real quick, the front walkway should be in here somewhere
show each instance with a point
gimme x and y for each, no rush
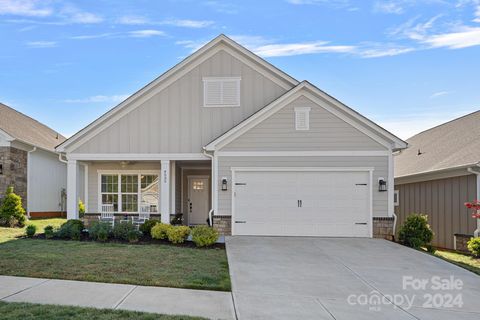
(209, 304)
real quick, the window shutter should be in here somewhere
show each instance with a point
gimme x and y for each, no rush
(302, 118)
(221, 92)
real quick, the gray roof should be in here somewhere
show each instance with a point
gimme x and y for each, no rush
(453, 144)
(26, 129)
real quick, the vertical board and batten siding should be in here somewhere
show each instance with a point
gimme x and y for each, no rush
(443, 201)
(175, 121)
(379, 163)
(93, 169)
(327, 132)
(47, 178)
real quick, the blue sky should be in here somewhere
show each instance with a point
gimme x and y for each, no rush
(406, 64)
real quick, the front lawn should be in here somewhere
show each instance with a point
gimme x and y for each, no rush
(26, 311)
(7, 234)
(462, 260)
(150, 265)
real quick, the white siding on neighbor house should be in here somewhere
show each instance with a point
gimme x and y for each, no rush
(47, 178)
(93, 168)
(326, 132)
(379, 163)
(174, 120)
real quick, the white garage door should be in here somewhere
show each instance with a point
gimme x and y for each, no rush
(302, 203)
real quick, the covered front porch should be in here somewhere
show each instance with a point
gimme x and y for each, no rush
(178, 191)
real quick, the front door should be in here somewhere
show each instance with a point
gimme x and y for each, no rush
(197, 200)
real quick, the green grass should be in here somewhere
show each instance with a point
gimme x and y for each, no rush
(461, 260)
(150, 265)
(7, 234)
(27, 311)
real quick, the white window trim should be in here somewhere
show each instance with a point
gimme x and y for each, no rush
(396, 197)
(119, 192)
(306, 112)
(212, 79)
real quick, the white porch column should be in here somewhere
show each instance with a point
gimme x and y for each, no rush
(165, 191)
(72, 201)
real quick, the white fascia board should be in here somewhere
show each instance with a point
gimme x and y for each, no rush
(354, 153)
(303, 169)
(136, 156)
(6, 136)
(169, 77)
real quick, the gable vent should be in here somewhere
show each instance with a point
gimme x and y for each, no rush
(302, 118)
(221, 92)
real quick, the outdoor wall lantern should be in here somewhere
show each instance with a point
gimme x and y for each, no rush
(382, 184)
(224, 184)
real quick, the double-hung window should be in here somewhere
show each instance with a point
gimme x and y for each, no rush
(130, 192)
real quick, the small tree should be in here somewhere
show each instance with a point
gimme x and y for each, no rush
(11, 210)
(475, 207)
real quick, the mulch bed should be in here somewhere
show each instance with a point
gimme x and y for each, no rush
(144, 240)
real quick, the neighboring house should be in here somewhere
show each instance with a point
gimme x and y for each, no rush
(224, 132)
(437, 174)
(29, 163)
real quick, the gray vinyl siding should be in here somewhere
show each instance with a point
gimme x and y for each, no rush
(93, 177)
(380, 165)
(327, 133)
(174, 121)
(443, 201)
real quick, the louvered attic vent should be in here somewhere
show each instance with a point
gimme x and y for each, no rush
(221, 92)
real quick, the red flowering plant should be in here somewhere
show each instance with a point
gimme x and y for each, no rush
(475, 207)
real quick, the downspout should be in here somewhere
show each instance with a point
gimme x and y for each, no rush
(214, 181)
(477, 231)
(29, 175)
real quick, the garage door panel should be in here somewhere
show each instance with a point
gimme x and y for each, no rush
(332, 203)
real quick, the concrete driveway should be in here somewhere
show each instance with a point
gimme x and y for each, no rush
(333, 278)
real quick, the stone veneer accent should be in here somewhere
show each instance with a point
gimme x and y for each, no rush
(14, 162)
(461, 242)
(223, 224)
(383, 228)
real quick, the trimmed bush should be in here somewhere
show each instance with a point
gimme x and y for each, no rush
(204, 236)
(159, 231)
(416, 231)
(133, 236)
(49, 232)
(100, 231)
(121, 230)
(474, 246)
(72, 229)
(30, 230)
(81, 209)
(146, 228)
(178, 234)
(12, 213)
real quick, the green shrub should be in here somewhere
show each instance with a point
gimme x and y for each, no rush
(72, 229)
(100, 231)
(159, 231)
(133, 236)
(177, 219)
(81, 209)
(474, 246)
(30, 230)
(416, 231)
(146, 228)
(178, 234)
(121, 230)
(49, 232)
(431, 249)
(12, 213)
(204, 236)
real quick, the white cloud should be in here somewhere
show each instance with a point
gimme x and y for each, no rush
(73, 14)
(382, 50)
(146, 33)
(133, 20)
(463, 38)
(99, 98)
(222, 6)
(29, 8)
(92, 36)
(439, 94)
(389, 7)
(41, 44)
(187, 23)
(293, 49)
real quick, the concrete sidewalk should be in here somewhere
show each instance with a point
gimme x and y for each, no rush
(208, 304)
